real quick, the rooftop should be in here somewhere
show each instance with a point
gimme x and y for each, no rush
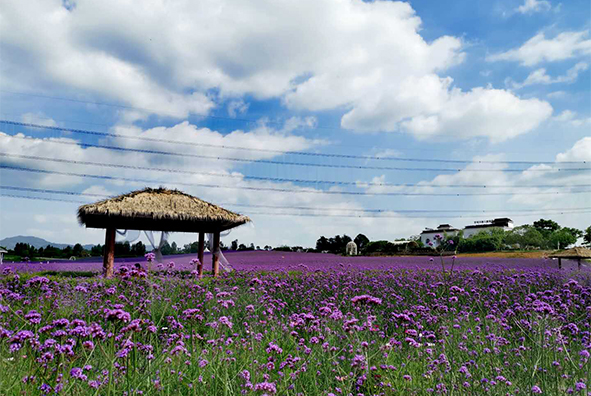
(574, 253)
(500, 222)
(159, 210)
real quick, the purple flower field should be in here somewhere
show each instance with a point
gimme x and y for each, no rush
(298, 324)
(286, 261)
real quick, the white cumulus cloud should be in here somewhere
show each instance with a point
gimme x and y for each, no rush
(429, 107)
(38, 118)
(570, 117)
(186, 57)
(532, 6)
(539, 76)
(538, 49)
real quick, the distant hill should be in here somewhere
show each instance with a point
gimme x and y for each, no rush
(37, 243)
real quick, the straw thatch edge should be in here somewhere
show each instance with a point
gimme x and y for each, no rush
(576, 252)
(213, 212)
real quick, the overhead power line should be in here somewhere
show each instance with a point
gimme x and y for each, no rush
(360, 184)
(275, 162)
(279, 152)
(287, 190)
(421, 148)
(474, 211)
(42, 198)
(159, 112)
(94, 195)
(296, 214)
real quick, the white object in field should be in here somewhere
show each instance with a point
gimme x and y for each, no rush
(157, 250)
(128, 235)
(351, 249)
(224, 263)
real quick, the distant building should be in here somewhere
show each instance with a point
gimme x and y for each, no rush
(428, 235)
(2, 251)
(503, 223)
(403, 242)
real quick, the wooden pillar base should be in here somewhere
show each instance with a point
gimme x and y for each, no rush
(109, 254)
(559, 263)
(200, 254)
(215, 257)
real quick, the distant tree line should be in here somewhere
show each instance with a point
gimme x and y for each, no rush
(338, 244)
(542, 234)
(122, 249)
(24, 250)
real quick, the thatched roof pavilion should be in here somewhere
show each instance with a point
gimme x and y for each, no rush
(576, 253)
(159, 210)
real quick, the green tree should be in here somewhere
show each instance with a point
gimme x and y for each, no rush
(51, 251)
(574, 232)
(546, 227)
(361, 241)
(587, 236)
(282, 249)
(96, 250)
(484, 241)
(380, 247)
(561, 239)
(526, 236)
(78, 250)
(322, 244)
(234, 245)
(24, 250)
(122, 249)
(138, 249)
(192, 248)
(166, 249)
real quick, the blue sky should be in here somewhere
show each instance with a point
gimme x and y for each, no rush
(473, 81)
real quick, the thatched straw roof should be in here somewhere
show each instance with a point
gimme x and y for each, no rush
(574, 253)
(159, 210)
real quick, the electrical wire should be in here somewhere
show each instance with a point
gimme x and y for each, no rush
(422, 149)
(284, 180)
(275, 162)
(159, 112)
(279, 152)
(287, 190)
(386, 215)
(77, 193)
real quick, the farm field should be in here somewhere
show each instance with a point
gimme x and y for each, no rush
(377, 326)
(287, 261)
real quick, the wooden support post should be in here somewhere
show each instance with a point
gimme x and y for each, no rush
(200, 254)
(215, 256)
(559, 263)
(109, 254)
(579, 263)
